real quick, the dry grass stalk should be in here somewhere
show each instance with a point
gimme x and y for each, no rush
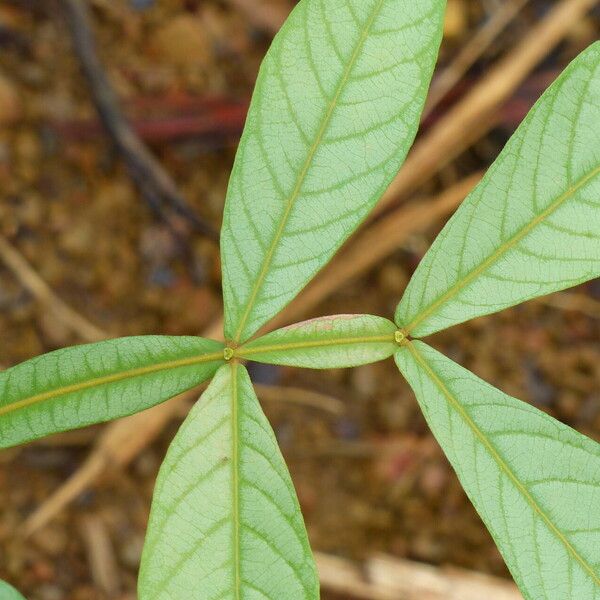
(477, 112)
(429, 154)
(471, 52)
(262, 14)
(387, 578)
(370, 246)
(41, 291)
(101, 556)
(140, 430)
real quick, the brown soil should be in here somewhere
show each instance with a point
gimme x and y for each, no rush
(372, 480)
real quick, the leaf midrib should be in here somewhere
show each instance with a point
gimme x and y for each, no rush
(503, 466)
(304, 172)
(501, 250)
(245, 351)
(108, 379)
(235, 479)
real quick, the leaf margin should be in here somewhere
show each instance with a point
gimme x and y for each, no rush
(51, 367)
(415, 320)
(412, 348)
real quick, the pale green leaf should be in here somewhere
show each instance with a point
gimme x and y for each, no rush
(225, 521)
(534, 481)
(8, 592)
(326, 343)
(532, 226)
(93, 383)
(335, 110)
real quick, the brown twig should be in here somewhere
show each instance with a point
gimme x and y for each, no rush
(374, 244)
(388, 578)
(216, 122)
(101, 556)
(263, 15)
(122, 440)
(471, 52)
(442, 143)
(299, 397)
(118, 444)
(573, 301)
(40, 290)
(152, 180)
(477, 112)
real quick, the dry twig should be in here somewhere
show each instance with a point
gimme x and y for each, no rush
(471, 52)
(152, 180)
(476, 113)
(40, 290)
(387, 578)
(101, 556)
(123, 440)
(431, 152)
(375, 243)
(261, 14)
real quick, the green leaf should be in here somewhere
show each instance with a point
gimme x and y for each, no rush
(93, 383)
(225, 521)
(532, 226)
(534, 481)
(8, 592)
(326, 343)
(335, 110)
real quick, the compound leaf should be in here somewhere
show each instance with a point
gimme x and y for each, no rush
(225, 521)
(326, 343)
(7, 592)
(534, 481)
(335, 110)
(93, 383)
(532, 226)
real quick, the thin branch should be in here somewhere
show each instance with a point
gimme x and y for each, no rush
(372, 245)
(101, 555)
(471, 52)
(572, 301)
(40, 290)
(299, 397)
(154, 183)
(124, 439)
(261, 14)
(442, 143)
(478, 112)
(387, 578)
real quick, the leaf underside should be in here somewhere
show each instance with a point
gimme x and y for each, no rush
(534, 481)
(326, 343)
(335, 110)
(7, 592)
(225, 521)
(532, 226)
(93, 383)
